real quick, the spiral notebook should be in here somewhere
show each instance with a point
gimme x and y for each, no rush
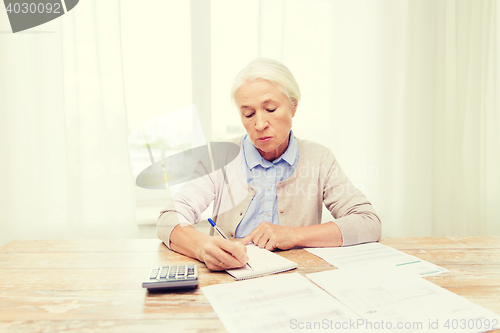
(263, 262)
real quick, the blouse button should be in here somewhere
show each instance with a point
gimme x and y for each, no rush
(281, 211)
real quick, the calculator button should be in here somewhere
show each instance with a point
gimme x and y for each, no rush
(153, 274)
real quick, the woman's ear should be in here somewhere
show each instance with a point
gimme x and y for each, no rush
(294, 107)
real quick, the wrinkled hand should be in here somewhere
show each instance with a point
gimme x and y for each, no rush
(220, 254)
(271, 236)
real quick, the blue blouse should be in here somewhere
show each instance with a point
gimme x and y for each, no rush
(263, 176)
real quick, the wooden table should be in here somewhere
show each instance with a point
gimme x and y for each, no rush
(95, 285)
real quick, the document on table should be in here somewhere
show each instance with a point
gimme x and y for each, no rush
(277, 303)
(377, 254)
(397, 300)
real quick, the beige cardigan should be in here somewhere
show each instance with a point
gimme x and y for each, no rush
(317, 179)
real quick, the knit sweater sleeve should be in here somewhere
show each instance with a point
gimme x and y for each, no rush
(353, 213)
(188, 203)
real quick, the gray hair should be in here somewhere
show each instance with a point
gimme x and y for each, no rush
(272, 71)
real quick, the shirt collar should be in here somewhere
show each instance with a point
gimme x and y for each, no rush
(253, 157)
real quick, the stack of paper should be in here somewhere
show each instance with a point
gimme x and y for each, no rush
(375, 255)
(376, 289)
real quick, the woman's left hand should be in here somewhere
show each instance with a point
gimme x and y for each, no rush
(271, 236)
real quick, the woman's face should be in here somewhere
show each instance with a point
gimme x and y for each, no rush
(266, 113)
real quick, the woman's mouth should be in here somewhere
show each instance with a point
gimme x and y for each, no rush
(265, 138)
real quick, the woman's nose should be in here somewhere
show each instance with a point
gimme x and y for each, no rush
(260, 121)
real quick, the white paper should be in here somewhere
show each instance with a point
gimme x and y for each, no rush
(376, 255)
(403, 302)
(263, 262)
(278, 303)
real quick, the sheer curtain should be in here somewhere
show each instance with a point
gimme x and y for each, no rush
(439, 117)
(64, 165)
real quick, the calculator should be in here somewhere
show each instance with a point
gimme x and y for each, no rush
(172, 277)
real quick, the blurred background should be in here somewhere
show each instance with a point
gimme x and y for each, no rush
(405, 92)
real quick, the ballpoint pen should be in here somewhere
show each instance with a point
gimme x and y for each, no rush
(212, 223)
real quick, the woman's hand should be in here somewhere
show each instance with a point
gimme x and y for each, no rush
(220, 254)
(271, 236)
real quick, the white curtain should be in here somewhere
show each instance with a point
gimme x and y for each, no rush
(64, 166)
(438, 117)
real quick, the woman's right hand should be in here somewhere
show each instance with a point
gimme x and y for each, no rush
(220, 254)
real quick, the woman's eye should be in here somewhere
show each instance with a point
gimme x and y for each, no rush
(249, 115)
(271, 110)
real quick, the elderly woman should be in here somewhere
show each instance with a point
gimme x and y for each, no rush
(272, 193)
